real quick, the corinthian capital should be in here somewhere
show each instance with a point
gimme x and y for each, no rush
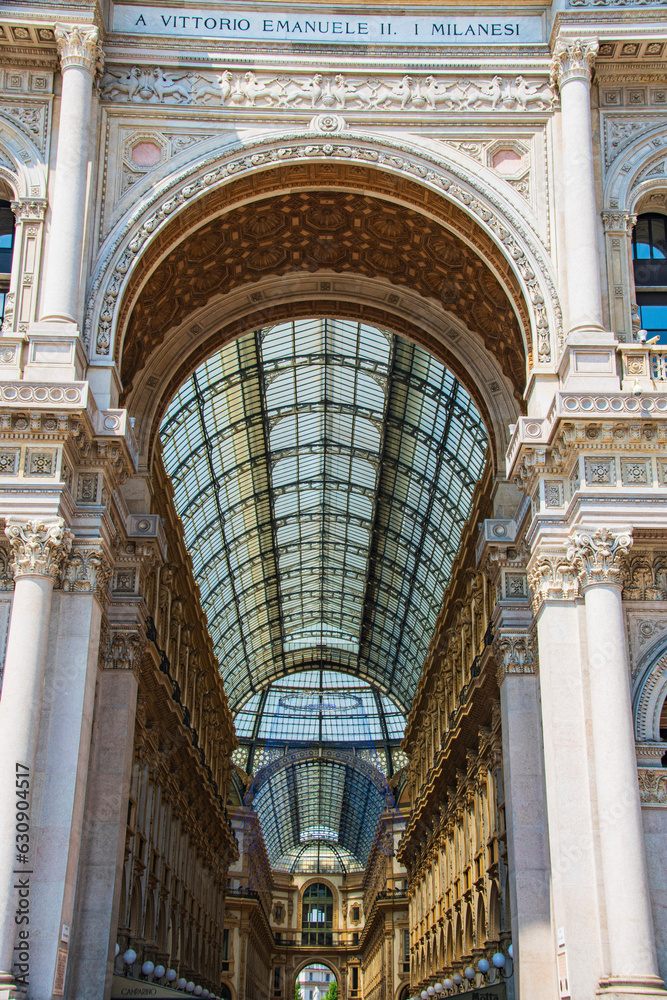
(573, 58)
(599, 556)
(78, 46)
(40, 548)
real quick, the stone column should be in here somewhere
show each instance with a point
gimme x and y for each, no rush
(80, 56)
(633, 968)
(102, 851)
(515, 649)
(559, 613)
(571, 70)
(40, 549)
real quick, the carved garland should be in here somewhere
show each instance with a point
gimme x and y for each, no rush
(125, 249)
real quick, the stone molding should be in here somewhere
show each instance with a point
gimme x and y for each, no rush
(599, 556)
(140, 85)
(88, 569)
(40, 548)
(78, 46)
(573, 59)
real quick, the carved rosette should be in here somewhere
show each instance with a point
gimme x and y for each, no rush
(515, 653)
(552, 576)
(573, 59)
(40, 548)
(88, 570)
(78, 46)
(600, 556)
(121, 647)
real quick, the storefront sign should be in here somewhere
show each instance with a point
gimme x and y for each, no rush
(124, 988)
(321, 25)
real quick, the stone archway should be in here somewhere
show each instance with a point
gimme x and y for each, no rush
(413, 181)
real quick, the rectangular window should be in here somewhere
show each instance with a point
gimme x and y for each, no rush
(276, 980)
(355, 978)
(653, 314)
(225, 945)
(355, 912)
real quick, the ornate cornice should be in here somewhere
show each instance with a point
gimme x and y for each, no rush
(573, 59)
(78, 46)
(40, 548)
(599, 556)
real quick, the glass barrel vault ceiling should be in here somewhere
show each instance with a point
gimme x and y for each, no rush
(323, 470)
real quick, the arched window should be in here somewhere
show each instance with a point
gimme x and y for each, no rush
(7, 226)
(317, 915)
(649, 253)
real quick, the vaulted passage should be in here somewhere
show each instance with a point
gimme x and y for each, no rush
(323, 470)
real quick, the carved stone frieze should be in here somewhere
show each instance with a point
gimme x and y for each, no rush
(87, 570)
(78, 46)
(599, 556)
(620, 131)
(336, 92)
(40, 548)
(645, 576)
(30, 117)
(573, 58)
(652, 785)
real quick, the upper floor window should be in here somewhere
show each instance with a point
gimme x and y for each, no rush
(649, 254)
(7, 224)
(317, 915)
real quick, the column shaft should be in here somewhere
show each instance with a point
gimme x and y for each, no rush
(65, 248)
(573, 62)
(20, 709)
(627, 897)
(527, 837)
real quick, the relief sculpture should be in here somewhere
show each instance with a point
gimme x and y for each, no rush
(252, 90)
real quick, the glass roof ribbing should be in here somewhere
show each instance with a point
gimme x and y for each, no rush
(320, 706)
(304, 802)
(323, 470)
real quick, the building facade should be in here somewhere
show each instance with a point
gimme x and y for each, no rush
(334, 345)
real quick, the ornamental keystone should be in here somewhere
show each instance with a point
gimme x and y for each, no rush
(599, 556)
(40, 548)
